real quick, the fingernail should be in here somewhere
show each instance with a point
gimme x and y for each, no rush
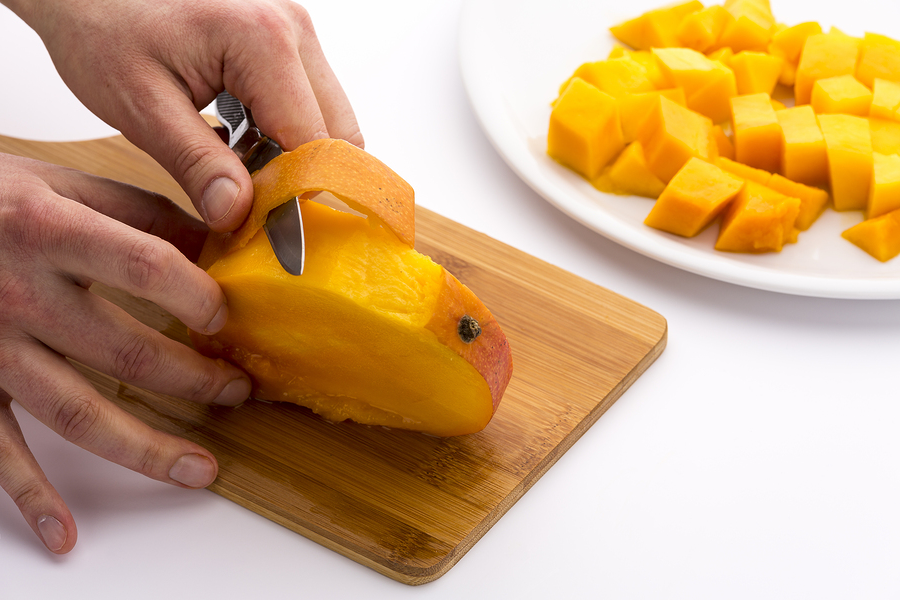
(237, 391)
(218, 198)
(193, 471)
(52, 532)
(218, 321)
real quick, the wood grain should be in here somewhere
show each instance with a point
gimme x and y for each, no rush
(407, 505)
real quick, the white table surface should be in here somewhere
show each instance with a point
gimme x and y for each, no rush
(758, 457)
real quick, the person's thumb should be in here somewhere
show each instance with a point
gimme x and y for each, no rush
(172, 132)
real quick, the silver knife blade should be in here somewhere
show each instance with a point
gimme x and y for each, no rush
(284, 224)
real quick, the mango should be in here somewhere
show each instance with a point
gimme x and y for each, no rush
(635, 109)
(672, 135)
(804, 157)
(824, 55)
(655, 28)
(813, 200)
(615, 76)
(759, 219)
(707, 84)
(742, 171)
(884, 188)
(585, 132)
(701, 30)
(724, 145)
(848, 145)
(842, 94)
(756, 72)
(753, 20)
(695, 196)
(758, 138)
(885, 100)
(885, 135)
(629, 174)
(879, 59)
(372, 331)
(788, 42)
(880, 236)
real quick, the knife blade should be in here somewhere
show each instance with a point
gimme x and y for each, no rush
(284, 224)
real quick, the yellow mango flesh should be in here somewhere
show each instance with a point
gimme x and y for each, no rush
(743, 171)
(655, 28)
(694, 197)
(756, 72)
(885, 135)
(824, 55)
(757, 134)
(629, 174)
(708, 85)
(616, 76)
(885, 100)
(879, 236)
(365, 333)
(758, 220)
(673, 135)
(635, 109)
(848, 144)
(585, 132)
(843, 94)
(702, 29)
(884, 188)
(879, 59)
(812, 199)
(804, 157)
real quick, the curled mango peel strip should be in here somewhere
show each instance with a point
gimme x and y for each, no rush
(350, 173)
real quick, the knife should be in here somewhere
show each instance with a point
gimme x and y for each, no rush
(284, 225)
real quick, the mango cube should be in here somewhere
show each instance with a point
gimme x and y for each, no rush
(616, 76)
(743, 171)
(758, 220)
(824, 55)
(694, 197)
(672, 135)
(629, 174)
(788, 43)
(885, 100)
(753, 20)
(584, 132)
(884, 188)
(655, 28)
(708, 85)
(702, 29)
(848, 144)
(756, 72)
(635, 109)
(885, 135)
(879, 59)
(812, 199)
(842, 94)
(880, 236)
(757, 133)
(723, 142)
(804, 157)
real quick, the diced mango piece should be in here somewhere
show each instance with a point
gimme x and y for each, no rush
(672, 135)
(629, 174)
(694, 197)
(879, 59)
(812, 199)
(723, 55)
(788, 43)
(756, 72)
(615, 76)
(723, 142)
(758, 220)
(655, 28)
(884, 188)
(879, 236)
(804, 158)
(885, 100)
(707, 84)
(849, 147)
(743, 171)
(584, 132)
(842, 94)
(757, 133)
(702, 29)
(751, 27)
(777, 104)
(824, 55)
(635, 109)
(885, 135)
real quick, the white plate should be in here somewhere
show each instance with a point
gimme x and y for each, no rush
(514, 54)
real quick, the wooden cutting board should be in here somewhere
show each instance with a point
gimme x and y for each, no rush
(407, 505)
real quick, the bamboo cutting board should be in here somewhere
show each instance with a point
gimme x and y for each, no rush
(406, 505)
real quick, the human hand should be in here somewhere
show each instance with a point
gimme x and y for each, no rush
(61, 230)
(147, 66)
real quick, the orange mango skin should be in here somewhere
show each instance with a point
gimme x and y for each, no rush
(368, 333)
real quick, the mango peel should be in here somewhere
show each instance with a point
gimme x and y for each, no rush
(373, 331)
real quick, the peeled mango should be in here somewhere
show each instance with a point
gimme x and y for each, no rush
(372, 331)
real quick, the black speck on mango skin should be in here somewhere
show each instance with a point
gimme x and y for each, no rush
(468, 329)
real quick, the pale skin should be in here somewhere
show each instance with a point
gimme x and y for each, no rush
(145, 67)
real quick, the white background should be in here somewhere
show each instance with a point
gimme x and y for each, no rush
(758, 457)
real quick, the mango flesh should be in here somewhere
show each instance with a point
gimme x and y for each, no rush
(757, 134)
(758, 220)
(369, 332)
(879, 236)
(843, 94)
(848, 144)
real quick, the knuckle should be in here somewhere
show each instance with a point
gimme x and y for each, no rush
(78, 418)
(151, 456)
(137, 359)
(205, 386)
(30, 497)
(189, 161)
(148, 265)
